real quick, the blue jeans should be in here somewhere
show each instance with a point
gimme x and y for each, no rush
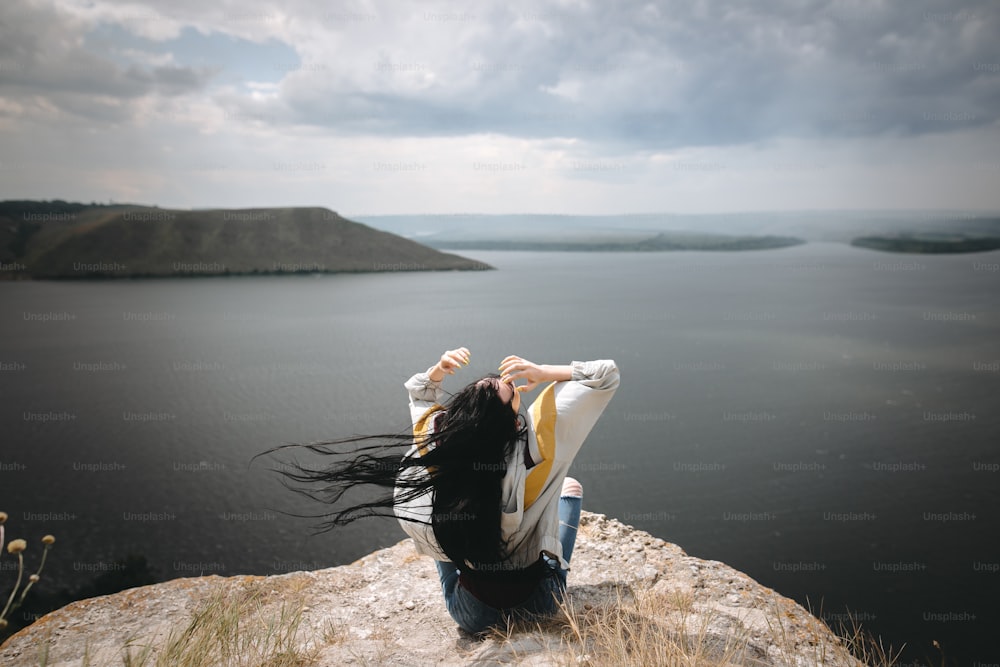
(475, 616)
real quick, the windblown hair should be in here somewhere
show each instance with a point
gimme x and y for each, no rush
(462, 461)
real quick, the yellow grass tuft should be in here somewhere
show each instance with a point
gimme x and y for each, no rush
(664, 628)
(232, 629)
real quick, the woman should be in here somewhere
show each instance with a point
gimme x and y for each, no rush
(483, 489)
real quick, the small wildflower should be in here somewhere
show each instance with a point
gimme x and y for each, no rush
(48, 539)
(16, 546)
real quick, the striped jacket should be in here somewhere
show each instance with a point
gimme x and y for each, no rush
(559, 421)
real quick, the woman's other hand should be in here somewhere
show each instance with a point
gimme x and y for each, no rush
(515, 368)
(450, 361)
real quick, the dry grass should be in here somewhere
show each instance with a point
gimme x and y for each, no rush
(648, 629)
(865, 647)
(232, 629)
(336, 631)
(251, 626)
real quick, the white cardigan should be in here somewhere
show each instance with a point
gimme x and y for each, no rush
(559, 420)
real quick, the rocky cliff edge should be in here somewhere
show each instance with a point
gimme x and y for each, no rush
(387, 609)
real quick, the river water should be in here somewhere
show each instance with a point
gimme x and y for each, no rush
(823, 418)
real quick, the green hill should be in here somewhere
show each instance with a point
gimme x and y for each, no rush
(66, 240)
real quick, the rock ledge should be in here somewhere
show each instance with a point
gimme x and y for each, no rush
(387, 609)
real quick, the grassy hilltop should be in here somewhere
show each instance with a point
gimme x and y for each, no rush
(68, 240)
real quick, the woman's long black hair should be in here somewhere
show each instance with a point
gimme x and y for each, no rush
(462, 461)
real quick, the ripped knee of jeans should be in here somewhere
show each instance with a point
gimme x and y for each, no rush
(572, 488)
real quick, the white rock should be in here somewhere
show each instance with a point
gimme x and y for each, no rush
(358, 601)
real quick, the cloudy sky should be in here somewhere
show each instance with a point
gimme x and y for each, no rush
(548, 106)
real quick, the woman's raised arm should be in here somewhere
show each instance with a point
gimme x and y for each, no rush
(424, 389)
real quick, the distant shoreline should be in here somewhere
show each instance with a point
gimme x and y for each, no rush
(926, 246)
(658, 243)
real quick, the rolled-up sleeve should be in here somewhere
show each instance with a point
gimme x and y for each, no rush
(424, 394)
(601, 374)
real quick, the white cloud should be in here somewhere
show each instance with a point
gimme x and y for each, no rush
(564, 106)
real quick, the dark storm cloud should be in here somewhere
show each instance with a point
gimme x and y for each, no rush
(631, 74)
(681, 73)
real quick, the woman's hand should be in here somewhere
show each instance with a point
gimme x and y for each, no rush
(450, 361)
(515, 368)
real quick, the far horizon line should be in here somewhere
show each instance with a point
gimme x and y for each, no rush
(706, 213)
(848, 211)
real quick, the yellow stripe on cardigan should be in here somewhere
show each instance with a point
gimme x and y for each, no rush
(544, 413)
(420, 428)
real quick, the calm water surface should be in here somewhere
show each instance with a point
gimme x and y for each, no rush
(821, 417)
